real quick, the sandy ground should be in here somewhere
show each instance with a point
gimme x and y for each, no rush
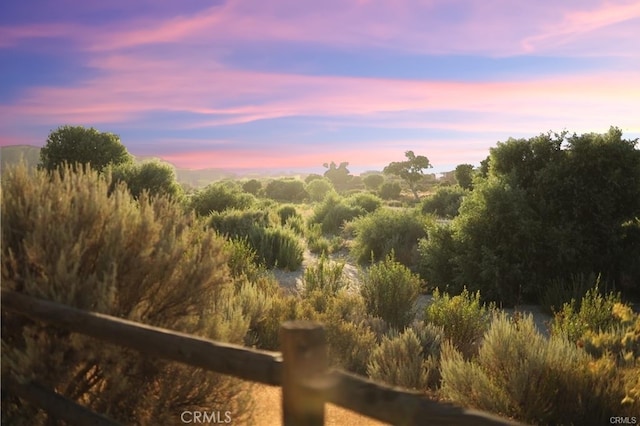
(268, 400)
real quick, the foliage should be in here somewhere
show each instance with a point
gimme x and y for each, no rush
(390, 191)
(311, 177)
(390, 290)
(325, 276)
(274, 245)
(445, 202)
(464, 176)
(373, 181)
(337, 174)
(252, 186)
(333, 212)
(287, 211)
(436, 264)
(593, 312)
(67, 240)
(319, 188)
(79, 145)
(549, 207)
(561, 291)
(411, 170)
(399, 360)
(154, 177)
(518, 373)
(290, 190)
(367, 202)
(386, 230)
(463, 318)
(218, 197)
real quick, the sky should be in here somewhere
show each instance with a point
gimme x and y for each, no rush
(293, 84)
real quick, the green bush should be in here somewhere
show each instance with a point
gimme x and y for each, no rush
(390, 191)
(325, 276)
(290, 190)
(373, 181)
(252, 186)
(593, 312)
(286, 212)
(67, 240)
(561, 291)
(333, 212)
(154, 177)
(218, 197)
(319, 188)
(518, 373)
(274, 245)
(390, 290)
(437, 253)
(463, 318)
(387, 230)
(317, 242)
(445, 202)
(400, 361)
(365, 201)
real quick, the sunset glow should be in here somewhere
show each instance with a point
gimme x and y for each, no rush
(291, 85)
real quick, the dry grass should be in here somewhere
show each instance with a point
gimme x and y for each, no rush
(268, 410)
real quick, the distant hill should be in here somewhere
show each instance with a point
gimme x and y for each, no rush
(13, 154)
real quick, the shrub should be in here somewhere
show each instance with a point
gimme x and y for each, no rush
(390, 191)
(316, 242)
(463, 318)
(333, 212)
(437, 253)
(400, 361)
(291, 190)
(252, 186)
(390, 290)
(319, 188)
(154, 177)
(367, 202)
(373, 181)
(445, 202)
(560, 291)
(594, 312)
(519, 373)
(287, 211)
(67, 240)
(325, 276)
(387, 230)
(273, 244)
(218, 197)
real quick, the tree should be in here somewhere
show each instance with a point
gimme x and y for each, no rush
(464, 175)
(252, 186)
(79, 145)
(291, 190)
(153, 177)
(373, 181)
(550, 207)
(338, 175)
(319, 188)
(411, 170)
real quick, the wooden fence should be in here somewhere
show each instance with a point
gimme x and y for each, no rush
(301, 370)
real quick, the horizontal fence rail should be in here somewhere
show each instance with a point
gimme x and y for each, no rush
(233, 360)
(303, 375)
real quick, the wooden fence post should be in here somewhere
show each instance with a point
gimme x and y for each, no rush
(304, 355)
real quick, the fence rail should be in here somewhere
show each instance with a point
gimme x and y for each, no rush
(301, 370)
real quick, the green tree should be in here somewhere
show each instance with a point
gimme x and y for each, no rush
(291, 190)
(411, 170)
(551, 207)
(319, 188)
(77, 144)
(464, 175)
(152, 176)
(338, 175)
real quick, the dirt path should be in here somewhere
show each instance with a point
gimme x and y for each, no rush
(268, 400)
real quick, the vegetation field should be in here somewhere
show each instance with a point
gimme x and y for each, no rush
(552, 221)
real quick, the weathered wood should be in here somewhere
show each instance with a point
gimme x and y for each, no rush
(398, 406)
(249, 364)
(304, 353)
(54, 404)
